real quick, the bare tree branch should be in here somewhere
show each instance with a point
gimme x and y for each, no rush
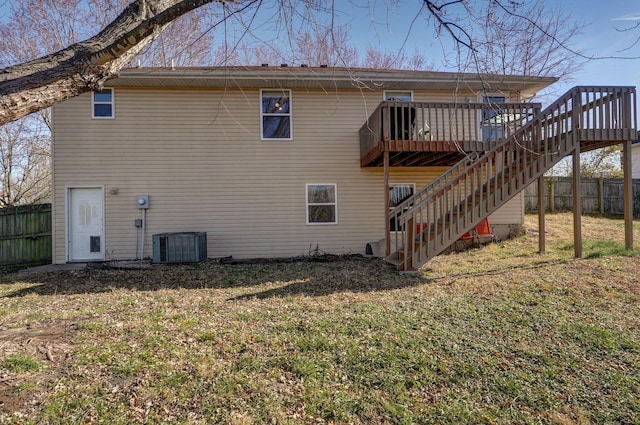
(449, 25)
(561, 43)
(631, 28)
(85, 66)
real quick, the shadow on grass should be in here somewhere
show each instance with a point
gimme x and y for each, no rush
(386, 282)
(282, 278)
(309, 276)
(500, 270)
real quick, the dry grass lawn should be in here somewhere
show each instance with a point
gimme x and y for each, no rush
(497, 335)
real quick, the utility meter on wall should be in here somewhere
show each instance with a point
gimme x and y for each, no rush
(142, 202)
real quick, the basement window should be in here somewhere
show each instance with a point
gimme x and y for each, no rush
(275, 114)
(102, 104)
(322, 203)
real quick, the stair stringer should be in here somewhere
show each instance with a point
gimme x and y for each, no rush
(466, 213)
(457, 201)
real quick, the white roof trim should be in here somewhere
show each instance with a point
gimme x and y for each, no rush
(324, 78)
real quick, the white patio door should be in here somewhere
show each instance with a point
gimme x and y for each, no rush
(86, 224)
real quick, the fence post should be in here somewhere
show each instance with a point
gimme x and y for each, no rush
(552, 195)
(541, 209)
(607, 201)
(601, 195)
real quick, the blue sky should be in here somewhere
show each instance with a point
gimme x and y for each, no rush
(601, 39)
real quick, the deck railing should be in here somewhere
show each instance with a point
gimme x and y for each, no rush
(438, 215)
(465, 126)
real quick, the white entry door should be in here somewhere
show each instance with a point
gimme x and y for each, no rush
(86, 224)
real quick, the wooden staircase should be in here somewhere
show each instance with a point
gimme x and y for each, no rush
(434, 218)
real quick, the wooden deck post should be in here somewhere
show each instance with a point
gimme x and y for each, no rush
(576, 115)
(387, 205)
(630, 118)
(627, 195)
(577, 203)
(541, 211)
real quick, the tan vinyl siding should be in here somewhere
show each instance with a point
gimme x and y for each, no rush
(510, 213)
(199, 156)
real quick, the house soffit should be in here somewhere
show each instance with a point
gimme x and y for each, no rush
(325, 79)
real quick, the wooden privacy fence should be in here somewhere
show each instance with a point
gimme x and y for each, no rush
(599, 195)
(25, 236)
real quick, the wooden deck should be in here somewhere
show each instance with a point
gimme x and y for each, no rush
(406, 130)
(418, 134)
(434, 217)
(404, 153)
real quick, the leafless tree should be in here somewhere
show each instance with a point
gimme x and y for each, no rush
(329, 46)
(604, 162)
(508, 37)
(527, 39)
(388, 59)
(24, 162)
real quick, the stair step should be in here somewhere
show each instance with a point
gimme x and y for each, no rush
(394, 260)
(503, 180)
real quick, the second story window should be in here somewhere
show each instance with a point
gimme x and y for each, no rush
(102, 104)
(401, 118)
(276, 114)
(398, 96)
(494, 121)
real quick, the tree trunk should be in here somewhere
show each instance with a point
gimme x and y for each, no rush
(85, 66)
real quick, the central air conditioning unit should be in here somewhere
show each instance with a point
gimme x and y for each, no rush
(186, 247)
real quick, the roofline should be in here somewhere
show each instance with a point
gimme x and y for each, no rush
(325, 78)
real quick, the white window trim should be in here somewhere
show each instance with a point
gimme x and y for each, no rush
(384, 93)
(493, 94)
(481, 97)
(307, 204)
(112, 103)
(289, 114)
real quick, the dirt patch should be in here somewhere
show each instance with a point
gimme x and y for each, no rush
(48, 343)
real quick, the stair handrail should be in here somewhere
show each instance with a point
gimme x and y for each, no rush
(570, 109)
(441, 181)
(460, 167)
